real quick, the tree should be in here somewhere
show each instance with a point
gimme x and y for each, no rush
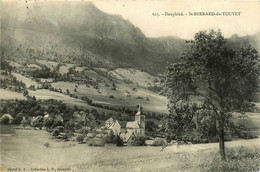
(139, 141)
(55, 132)
(113, 86)
(222, 80)
(179, 120)
(48, 122)
(68, 91)
(5, 121)
(110, 137)
(18, 119)
(118, 141)
(80, 138)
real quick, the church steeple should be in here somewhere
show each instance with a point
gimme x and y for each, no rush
(139, 117)
(139, 112)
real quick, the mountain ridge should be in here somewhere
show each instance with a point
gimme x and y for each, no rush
(83, 33)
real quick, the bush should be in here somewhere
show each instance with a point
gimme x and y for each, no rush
(69, 134)
(55, 132)
(60, 129)
(90, 143)
(5, 121)
(80, 138)
(118, 141)
(65, 137)
(48, 122)
(139, 141)
(238, 160)
(81, 131)
(17, 120)
(111, 96)
(47, 145)
(159, 142)
(110, 137)
(57, 123)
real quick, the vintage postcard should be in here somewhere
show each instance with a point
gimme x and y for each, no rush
(130, 85)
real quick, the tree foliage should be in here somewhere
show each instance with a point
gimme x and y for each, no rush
(216, 78)
(80, 138)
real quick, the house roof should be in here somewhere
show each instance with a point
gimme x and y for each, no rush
(112, 125)
(110, 120)
(7, 115)
(126, 136)
(132, 124)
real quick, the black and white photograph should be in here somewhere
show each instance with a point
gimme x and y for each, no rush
(130, 86)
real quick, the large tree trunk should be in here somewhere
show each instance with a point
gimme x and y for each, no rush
(221, 140)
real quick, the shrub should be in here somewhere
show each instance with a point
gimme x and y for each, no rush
(57, 123)
(80, 138)
(118, 141)
(65, 137)
(17, 120)
(60, 129)
(110, 137)
(55, 132)
(90, 143)
(159, 142)
(81, 131)
(69, 134)
(139, 141)
(48, 122)
(111, 96)
(5, 121)
(47, 145)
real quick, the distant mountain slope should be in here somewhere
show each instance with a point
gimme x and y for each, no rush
(236, 42)
(84, 28)
(78, 32)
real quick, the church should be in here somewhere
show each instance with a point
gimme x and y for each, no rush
(137, 127)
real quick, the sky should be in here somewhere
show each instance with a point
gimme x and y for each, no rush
(140, 14)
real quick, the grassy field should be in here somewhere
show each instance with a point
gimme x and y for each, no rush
(27, 81)
(43, 94)
(124, 96)
(250, 121)
(10, 95)
(136, 76)
(25, 148)
(156, 103)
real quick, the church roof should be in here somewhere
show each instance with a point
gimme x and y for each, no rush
(132, 124)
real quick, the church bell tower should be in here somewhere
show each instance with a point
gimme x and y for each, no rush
(140, 118)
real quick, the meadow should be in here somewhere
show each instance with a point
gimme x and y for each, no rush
(10, 95)
(25, 149)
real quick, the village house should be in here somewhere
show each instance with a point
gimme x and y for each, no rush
(115, 127)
